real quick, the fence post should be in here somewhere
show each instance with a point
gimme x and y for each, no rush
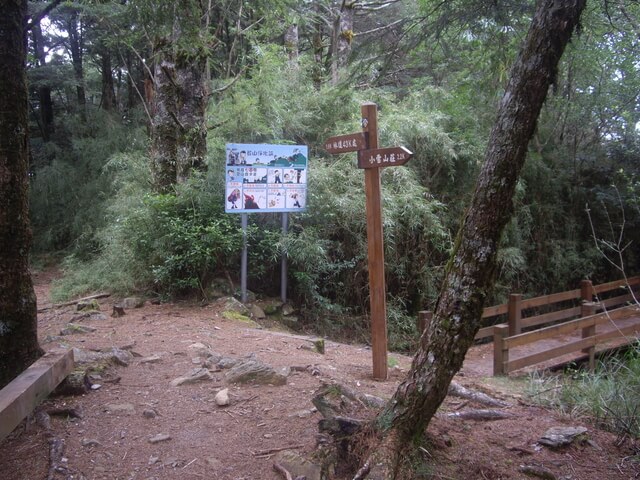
(500, 351)
(586, 291)
(515, 314)
(588, 309)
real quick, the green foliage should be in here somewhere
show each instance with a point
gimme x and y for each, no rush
(610, 396)
(170, 244)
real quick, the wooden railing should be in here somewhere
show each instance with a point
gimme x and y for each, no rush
(586, 342)
(515, 309)
(575, 310)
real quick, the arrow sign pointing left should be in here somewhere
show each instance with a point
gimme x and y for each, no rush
(384, 157)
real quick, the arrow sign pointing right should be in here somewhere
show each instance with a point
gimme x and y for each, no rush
(384, 157)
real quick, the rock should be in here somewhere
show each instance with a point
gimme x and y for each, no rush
(161, 437)
(256, 312)
(537, 471)
(149, 413)
(90, 442)
(298, 466)
(51, 338)
(557, 437)
(254, 371)
(291, 321)
(133, 302)
(152, 359)
(124, 408)
(76, 383)
(227, 362)
(73, 328)
(153, 460)
(230, 304)
(200, 350)
(86, 305)
(89, 315)
(196, 375)
(287, 310)
(222, 398)
(271, 307)
(119, 357)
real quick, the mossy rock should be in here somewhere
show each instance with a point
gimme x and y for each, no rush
(233, 315)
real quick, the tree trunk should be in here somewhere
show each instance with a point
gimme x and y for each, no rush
(178, 131)
(108, 100)
(292, 44)
(44, 91)
(470, 272)
(76, 47)
(18, 317)
(342, 37)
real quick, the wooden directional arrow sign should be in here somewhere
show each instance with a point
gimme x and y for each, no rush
(384, 157)
(346, 143)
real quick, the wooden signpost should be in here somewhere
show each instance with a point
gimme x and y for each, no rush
(371, 158)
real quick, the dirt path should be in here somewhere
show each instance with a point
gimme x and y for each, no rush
(241, 441)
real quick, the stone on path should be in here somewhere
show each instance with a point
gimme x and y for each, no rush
(151, 359)
(161, 437)
(132, 302)
(87, 305)
(194, 376)
(559, 436)
(73, 328)
(257, 312)
(222, 398)
(298, 466)
(255, 371)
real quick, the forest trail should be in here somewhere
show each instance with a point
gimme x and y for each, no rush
(136, 425)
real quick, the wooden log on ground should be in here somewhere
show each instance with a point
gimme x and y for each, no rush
(19, 398)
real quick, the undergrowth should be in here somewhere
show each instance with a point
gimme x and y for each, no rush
(609, 397)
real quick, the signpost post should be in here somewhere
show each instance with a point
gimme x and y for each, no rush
(371, 158)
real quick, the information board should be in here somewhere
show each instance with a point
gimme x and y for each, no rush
(265, 178)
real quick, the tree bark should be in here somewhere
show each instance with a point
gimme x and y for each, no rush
(342, 37)
(18, 315)
(180, 97)
(470, 272)
(108, 100)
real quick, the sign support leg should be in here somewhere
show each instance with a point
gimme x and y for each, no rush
(283, 266)
(244, 220)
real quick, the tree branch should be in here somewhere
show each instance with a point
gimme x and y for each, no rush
(43, 13)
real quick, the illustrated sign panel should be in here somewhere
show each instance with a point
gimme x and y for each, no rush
(265, 178)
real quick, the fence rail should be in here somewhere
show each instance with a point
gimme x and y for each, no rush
(593, 306)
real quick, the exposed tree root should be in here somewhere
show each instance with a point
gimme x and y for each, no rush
(480, 415)
(458, 390)
(57, 467)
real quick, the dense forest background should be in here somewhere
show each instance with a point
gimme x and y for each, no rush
(132, 104)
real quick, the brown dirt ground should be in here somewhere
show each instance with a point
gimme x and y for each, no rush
(233, 443)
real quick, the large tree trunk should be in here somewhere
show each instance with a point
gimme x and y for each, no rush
(470, 273)
(178, 130)
(18, 324)
(342, 37)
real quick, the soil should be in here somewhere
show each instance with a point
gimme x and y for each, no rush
(242, 441)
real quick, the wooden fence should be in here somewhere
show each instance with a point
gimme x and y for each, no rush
(549, 316)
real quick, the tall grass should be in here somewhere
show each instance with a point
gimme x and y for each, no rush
(609, 397)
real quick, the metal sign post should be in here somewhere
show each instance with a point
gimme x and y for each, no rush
(371, 158)
(244, 220)
(283, 265)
